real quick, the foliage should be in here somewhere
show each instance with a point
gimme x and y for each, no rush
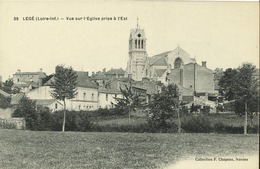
(197, 124)
(131, 100)
(6, 125)
(243, 87)
(5, 101)
(221, 128)
(195, 108)
(227, 82)
(75, 121)
(27, 109)
(206, 110)
(164, 106)
(64, 86)
(7, 86)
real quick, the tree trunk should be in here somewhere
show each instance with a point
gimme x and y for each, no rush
(245, 122)
(64, 116)
(129, 114)
(179, 120)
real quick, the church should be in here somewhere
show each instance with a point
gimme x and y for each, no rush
(169, 67)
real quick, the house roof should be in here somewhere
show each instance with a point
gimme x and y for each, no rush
(16, 98)
(46, 102)
(41, 74)
(100, 77)
(25, 84)
(83, 81)
(109, 91)
(112, 71)
(4, 93)
(149, 86)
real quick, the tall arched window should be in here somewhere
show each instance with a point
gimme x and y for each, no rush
(135, 43)
(138, 44)
(142, 44)
(177, 63)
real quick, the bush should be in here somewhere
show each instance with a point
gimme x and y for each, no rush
(197, 124)
(5, 125)
(75, 121)
(225, 129)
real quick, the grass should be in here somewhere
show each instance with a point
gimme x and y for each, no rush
(30, 149)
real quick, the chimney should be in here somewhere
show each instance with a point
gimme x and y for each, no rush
(41, 70)
(87, 74)
(204, 63)
(19, 70)
(104, 71)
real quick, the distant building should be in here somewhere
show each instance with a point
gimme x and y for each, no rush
(26, 81)
(174, 66)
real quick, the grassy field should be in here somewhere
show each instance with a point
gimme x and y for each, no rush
(30, 149)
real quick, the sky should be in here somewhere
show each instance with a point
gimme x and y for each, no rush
(225, 34)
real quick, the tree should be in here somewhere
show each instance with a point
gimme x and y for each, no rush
(64, 87)
(240, 85)
(27, 109)
(131, 100)
(164, 106)
(4, 101)
(7, 86)
(227, 82)
(246, 89)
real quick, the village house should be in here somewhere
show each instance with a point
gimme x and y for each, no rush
(26, 81)
(85, 99)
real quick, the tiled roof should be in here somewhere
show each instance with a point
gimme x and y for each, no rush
(110, 91)
(119, 71)
(83, 81)
(45, 102)
(100, 77)
(16, 98)
(4, 93)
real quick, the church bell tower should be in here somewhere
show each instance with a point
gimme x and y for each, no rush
(136, 65)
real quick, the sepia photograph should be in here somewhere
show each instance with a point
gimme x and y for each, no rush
(129, 84)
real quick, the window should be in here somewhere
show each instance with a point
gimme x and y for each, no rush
(84, 96)
(106, 97)
(177, 63)
(136, 43)
(142, 44)
(56, 106)
(92, 97)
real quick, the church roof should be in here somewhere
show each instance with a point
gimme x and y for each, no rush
(134, 33)
(159, 60)
(160, 72)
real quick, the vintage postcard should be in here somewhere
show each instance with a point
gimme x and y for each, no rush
(186, 43)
